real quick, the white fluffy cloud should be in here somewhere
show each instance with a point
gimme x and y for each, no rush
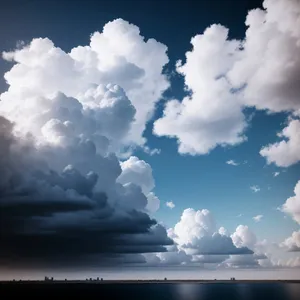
(286, 152)
(244, 237)
(138, 172)
(224, 76)
(170, 204)
(292, 243)
(211, 115)
(232, 162)
(118, 55)
(257, 218)
(292, 204)
(269, 64)
(196, 234)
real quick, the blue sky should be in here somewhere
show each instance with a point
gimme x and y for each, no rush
(190, 180)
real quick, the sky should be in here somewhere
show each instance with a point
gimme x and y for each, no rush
(145, 136)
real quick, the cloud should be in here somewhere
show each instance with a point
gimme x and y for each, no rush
(196, 234)
(272, 36)
(68, 218)
(292, 204)
(244, 237)
(255, 188)
(232, 163)
(211, 115)
(118, 54)
(275, 174)
(223, 76)
(292, 243)
(170, 204)
(223, 231)
(150, 151)
(257, 218)
(153, 202)
(286, 152)
(240, 261)
(138, 172)
(65, 198)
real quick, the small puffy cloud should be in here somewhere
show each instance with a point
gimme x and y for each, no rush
(255, 188)
(286, 152)
(243, 237)
(232, 162)
(153, 202)
(223, 231)
(170, 204)
(257, 218)
(138, 172)
(150, 151)
(275, 174)
(292, 243)
(292, 204)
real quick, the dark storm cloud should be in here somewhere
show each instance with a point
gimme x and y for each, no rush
(50, 218)
(217, 244)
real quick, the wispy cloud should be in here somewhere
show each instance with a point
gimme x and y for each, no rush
(275, 174)
(240, 215)
(232, 162)
(150, 151)
(170, 204)
(257, 218)
(255, 188)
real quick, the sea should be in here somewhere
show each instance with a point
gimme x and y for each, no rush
(164, 291)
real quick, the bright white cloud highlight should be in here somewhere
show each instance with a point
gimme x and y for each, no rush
(257, 218)
(286, 152)
(118, 54)
(170, 204)
(232, 162)
(292, 204)
(224, 76)
(211, 115)
(292, 243)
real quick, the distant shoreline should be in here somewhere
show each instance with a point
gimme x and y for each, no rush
(99, 282)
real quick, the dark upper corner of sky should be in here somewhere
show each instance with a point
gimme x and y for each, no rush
(70, 22)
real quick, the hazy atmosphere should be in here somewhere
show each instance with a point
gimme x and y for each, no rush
(150, 139)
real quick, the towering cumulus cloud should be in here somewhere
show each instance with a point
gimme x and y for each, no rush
(224, 76)
(65, 199)
(117, 55)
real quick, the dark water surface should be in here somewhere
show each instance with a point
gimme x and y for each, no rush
(161, 291)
